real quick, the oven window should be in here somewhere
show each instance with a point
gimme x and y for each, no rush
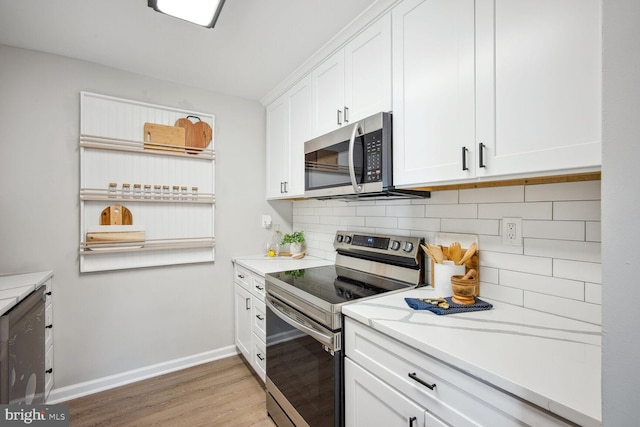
(307, 375)
(329, 167)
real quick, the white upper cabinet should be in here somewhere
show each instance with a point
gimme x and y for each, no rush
(539, 85)
(433, 90)
(354, 82)
(288, 127)
(492, 88)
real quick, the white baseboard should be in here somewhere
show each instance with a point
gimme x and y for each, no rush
(63, 394)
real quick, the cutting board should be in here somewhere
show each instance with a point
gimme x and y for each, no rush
(116, 215)
(155, 134)
(198, 135)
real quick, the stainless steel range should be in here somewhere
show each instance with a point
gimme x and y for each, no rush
(304, 383)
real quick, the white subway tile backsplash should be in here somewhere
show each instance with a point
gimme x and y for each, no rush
(443, 197)
(593, 293)
(406, 211)
(514, 262)
(546, 285)
(492, 195)
(584, 211)
(489, 274)
(563, 249)
(352, 221)
(586, 190)
(469, 210)
(501, 293)
(372, 210)
(577, 270)
(565, 230)
(593, 231)
(541, 210)
(557, 270)
(342, 210)
(565, 307)
(426, 224)
(494, 244)
(471, 226)
(381, 222)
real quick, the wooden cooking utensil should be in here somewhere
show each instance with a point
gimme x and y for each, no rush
(469, 253)
(436, 251)
(116, 215)
(455, 252)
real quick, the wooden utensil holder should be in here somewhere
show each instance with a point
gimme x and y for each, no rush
(472, 263)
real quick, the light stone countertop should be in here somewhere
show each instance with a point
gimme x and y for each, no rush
(263, 264)
(551, 361)
(16, 287)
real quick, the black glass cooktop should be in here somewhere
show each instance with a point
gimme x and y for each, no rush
(335, 284)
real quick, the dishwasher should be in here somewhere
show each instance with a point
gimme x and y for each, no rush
(22, 368)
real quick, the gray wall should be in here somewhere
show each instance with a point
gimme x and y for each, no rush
(112, 322)
(620, 214)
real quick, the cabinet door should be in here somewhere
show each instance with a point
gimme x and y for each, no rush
(370, 402)
(327, 81)
(368, 71)
(243, 321)
(300, 111)
(433, 90)
(277, 151)
(539, 85)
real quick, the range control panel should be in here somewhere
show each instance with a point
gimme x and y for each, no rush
(377, 243)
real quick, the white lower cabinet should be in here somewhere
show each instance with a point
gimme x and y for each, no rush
(371, 402)
(250, 318)
(389, 383)
(48, 339)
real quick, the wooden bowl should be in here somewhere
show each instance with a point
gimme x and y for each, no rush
(463, 290)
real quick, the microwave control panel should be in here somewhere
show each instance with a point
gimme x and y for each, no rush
(373, 156)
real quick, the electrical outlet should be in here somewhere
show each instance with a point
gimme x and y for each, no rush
(266, 221)
(512, 231)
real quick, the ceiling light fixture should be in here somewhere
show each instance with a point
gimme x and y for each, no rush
(200, 12)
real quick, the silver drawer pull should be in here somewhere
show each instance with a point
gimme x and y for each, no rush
(414, 377)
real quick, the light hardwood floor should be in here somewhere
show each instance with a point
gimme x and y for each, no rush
(220, 393)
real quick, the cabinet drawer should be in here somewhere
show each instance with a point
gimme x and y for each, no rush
(259, 357)
(258, 287)
(259, 324)
(456, 397)
(243, 277)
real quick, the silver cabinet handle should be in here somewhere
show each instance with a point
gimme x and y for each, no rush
(352, 170)
(412, 421)
(339, 117)
(346, 114)
(247, 303)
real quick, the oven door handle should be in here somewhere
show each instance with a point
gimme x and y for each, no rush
(352, 169)
(327, 340)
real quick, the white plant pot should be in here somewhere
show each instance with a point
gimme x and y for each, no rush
(295, 248)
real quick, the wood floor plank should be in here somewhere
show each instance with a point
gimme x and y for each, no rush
(220, 393)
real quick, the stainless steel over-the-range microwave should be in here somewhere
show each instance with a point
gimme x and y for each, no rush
(353, 161)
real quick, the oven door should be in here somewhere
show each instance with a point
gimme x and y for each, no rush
(304, 369)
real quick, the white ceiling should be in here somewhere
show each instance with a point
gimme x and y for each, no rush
(255, 44)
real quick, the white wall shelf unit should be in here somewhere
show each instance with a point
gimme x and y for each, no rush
(173, 201)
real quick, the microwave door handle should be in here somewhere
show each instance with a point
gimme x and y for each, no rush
(352, 170)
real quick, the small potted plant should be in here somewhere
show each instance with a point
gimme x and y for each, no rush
(295, 241)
